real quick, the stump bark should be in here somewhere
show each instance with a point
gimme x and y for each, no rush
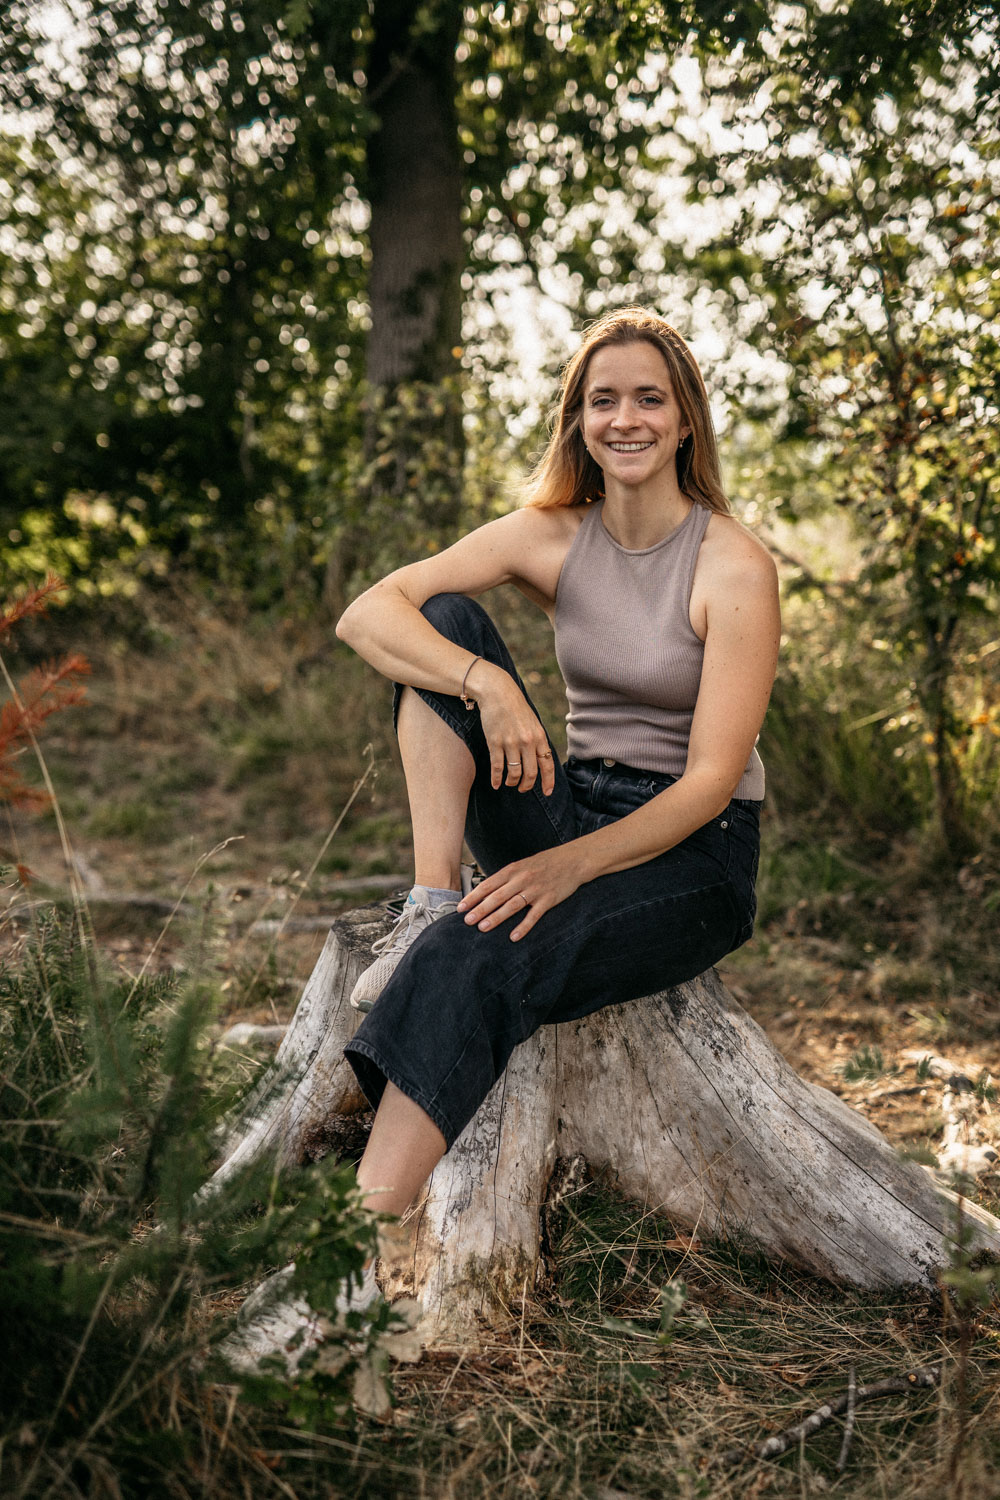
(679, 1097)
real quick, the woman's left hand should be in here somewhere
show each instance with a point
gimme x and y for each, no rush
(528, 888)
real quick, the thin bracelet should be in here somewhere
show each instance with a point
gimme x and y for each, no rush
(470, 703)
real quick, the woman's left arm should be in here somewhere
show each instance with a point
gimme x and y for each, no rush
(743, 630)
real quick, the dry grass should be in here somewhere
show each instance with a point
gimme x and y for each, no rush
(216, 726)
(586, 1397)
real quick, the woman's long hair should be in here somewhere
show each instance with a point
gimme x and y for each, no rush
(567, 475)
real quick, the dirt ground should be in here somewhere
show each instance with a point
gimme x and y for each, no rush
(856, 1022)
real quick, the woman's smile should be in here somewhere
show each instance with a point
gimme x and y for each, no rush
(631, 417)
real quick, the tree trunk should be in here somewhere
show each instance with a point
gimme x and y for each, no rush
(415, 192)
(935, 698)
(414, 437)
(679, 1096)
(408, 497)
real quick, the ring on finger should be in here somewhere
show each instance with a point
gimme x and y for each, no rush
(545, 755)
(524, 899)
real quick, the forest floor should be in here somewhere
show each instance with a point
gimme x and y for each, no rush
(209, 770)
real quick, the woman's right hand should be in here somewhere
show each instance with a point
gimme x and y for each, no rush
(520, 752)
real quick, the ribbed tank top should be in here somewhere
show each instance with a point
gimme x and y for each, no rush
(628, 655)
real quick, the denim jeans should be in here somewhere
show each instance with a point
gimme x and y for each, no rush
(461, 1000)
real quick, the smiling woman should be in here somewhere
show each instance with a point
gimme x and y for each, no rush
(633, 427)
(630, 868)
(569, 474)
(666, 622)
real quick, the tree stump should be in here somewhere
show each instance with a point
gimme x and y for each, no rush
(679, 1097)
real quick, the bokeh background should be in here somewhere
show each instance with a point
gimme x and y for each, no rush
(285, 289)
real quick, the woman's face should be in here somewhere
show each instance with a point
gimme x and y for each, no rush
(632, 423)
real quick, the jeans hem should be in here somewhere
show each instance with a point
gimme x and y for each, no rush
(359, 1053)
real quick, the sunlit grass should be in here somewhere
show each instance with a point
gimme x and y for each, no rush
(229, 726)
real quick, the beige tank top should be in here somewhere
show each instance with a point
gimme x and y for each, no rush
(628, 655)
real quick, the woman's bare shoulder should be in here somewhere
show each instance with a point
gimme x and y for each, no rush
(524, 547)
(734, 570)
(729, 547)
(538, 541)
(555, 523)
(533, 533)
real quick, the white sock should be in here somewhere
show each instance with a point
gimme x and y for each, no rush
(433, 895)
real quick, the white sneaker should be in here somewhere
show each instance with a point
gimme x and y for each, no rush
(273, 1322)
(413, 919)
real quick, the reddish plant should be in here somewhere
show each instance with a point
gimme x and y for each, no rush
(44, 691)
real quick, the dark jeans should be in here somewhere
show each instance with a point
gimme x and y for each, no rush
(460, 1001)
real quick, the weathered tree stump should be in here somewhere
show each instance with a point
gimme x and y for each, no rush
(680, 1097)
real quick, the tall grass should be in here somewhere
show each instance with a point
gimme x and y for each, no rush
(110, 1097)
(110, 1100)
(652, 1355)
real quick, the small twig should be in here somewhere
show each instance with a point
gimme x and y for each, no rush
(77, 892)
(845, 1447)
(161, 904)
(773, 1447)
(877, 1095)
(50, 1231)
(176, 907)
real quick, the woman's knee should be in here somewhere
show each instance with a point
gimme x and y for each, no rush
(456, 616)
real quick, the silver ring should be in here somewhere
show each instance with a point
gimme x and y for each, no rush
(524, 898)
(512, 763)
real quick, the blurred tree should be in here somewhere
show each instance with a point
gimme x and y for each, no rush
(171, 302)
(864, 254)
(214, 209)
(242, 238)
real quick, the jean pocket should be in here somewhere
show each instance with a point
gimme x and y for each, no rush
(712, 843)
(745, 835)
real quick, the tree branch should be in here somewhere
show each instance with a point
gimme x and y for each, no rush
(923, 1378)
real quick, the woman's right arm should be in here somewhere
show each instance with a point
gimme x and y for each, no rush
(385, 626)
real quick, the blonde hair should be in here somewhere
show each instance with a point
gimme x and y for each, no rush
(566, 473)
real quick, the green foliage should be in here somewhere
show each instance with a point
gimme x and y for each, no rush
(110, 1099)
(863, 248)
(134, 817)
(185, 266)
(985, 1088)
(673, 1296)
(184, 315)
(867, 1063)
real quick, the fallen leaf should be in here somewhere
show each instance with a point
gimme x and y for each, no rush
(682, 1242)
(371, 1392)
(791, 1374)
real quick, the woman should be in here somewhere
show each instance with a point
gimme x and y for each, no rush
(633, 867)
